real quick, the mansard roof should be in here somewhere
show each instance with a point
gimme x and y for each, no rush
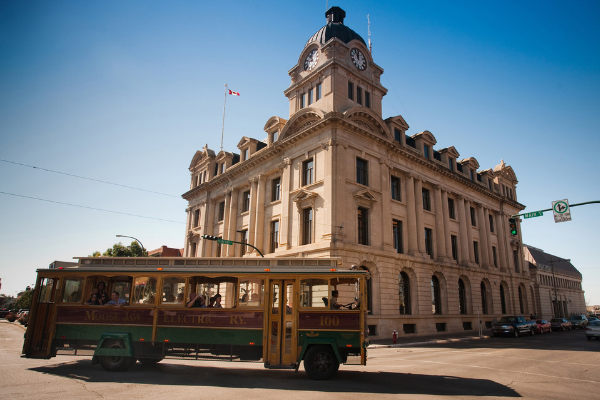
(543, 261)
(335, 28)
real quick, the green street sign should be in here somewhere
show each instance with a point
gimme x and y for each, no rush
(533, 214)
(223, 241)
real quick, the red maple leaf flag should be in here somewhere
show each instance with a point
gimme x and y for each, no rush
(231, 92)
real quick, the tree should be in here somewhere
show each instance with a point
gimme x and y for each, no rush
(118, 250)
(25, 300)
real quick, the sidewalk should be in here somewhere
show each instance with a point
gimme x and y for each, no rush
(414, 340)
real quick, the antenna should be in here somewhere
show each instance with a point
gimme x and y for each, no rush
(369, 30)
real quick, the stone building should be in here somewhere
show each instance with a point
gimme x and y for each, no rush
(555, 283)
(336, 179)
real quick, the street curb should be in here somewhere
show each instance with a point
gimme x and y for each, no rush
(386, 346)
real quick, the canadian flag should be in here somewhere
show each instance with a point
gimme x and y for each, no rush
(231, 92)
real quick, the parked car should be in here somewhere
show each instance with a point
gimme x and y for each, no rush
(4, 312)
(513, 325)
(592, 318)
(542, 326)
(561, 324)
(24, 318)
(578, 321)
(593, 330)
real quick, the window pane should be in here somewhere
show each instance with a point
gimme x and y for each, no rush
(344, 293)
(251, 292)
(144, 290)
(173, 290)
(73, 292)
(314, 293)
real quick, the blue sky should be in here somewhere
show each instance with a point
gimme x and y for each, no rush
(126, 92)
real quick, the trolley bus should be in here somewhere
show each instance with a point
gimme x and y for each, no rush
(281, 311)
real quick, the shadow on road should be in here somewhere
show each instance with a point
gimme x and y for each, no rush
(229, 377)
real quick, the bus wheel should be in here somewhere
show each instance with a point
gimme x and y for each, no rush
(116, 363)
(320, 362)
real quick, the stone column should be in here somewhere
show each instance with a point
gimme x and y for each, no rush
(386, 198)
(286, 188)
(411, 218)
(447, 232)
(233, 222)
(252, 214)
(469, 224)
(419, 215)
(464, 240)
(207, 245)
(226, 218)
(259, 239)
(484, 229)
(187, 244)
(439, 224)
(503, 244)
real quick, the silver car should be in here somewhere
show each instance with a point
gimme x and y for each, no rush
(593, 330)
(578, 321)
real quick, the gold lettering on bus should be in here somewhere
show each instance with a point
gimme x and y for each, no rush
(237, 320)
(102, 317)
(188, 319)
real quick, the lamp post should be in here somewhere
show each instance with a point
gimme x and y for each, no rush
(131, 237)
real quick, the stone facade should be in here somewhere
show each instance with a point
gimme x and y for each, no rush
(554, 278)
(338, 180)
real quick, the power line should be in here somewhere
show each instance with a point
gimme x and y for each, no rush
(91, 208)
(89, 179)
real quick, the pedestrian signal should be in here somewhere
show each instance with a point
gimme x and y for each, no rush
(512, 224)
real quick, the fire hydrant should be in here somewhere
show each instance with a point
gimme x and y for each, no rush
(394, 336)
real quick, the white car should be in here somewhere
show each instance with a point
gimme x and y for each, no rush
(593, 330)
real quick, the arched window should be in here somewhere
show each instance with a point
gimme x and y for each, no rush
(502, 299)
(436, 300)
(462, 297)
(404, 293)
(484, 302)
(521, 306)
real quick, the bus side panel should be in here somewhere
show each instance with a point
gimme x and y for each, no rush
(243, 337)
(89, 332)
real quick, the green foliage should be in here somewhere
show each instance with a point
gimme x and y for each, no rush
(118, 250)
(25, 300)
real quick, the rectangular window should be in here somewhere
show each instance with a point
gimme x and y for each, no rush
(476, 251)
(196, 218)
(429, 242)
(363, 226)
(350, 90)
(494, 256)
(223, 168)
(516, 260)
(276, 189)
(307, 172)
(246, 154)
(221, 211)
(454, 244)
(471, 174)
(275, 136)
(244, 235)
(397, 235)
(302, 100)
(426, 200)
(426, 151)
(396, 194)
(473, 219)
(362, 171)
(397, 135)
(491, 217)
(318, 91)
(274, 236)
(358, 95)
(246, 201)
(367, 99)
(450, 164)
(310, 96)
(451, 212)
(307, 222)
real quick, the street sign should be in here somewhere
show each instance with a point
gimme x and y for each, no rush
(562, 212)
(223, 241)
(533, 214)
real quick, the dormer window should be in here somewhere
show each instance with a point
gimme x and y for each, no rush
(275, 134)
(246, 154)
(426, 151)
(223, 168)
(450, 164)
(471, 174)
(397, 136)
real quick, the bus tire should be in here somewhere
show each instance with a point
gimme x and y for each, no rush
(116, 363)
(320, 362)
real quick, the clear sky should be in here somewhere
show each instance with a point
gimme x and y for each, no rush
(127, 91)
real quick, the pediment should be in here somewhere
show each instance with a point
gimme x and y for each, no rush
(452, 152)
(471, 162)
(201, 155)
(506, 171)
(368, 120)
(303, 195)
(300, 121)
(426, 136)
(364, 198)
(274, 123)
(398, 120)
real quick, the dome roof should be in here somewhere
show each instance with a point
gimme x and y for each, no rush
(335, 28)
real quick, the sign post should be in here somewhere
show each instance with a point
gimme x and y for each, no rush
(561, 210)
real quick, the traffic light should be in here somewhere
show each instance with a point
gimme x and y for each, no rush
(512, 224)
(209, 237)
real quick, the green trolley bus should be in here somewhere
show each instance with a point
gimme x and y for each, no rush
(281, 311)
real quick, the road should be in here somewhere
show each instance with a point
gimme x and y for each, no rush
(556, 366)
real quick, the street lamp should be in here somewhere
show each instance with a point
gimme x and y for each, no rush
(131, 237)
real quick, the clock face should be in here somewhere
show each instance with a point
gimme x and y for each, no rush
(311, 60)
(358, 59)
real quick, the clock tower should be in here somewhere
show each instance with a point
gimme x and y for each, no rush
(335, 71)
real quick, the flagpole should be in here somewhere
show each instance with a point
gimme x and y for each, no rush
(223, 126)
